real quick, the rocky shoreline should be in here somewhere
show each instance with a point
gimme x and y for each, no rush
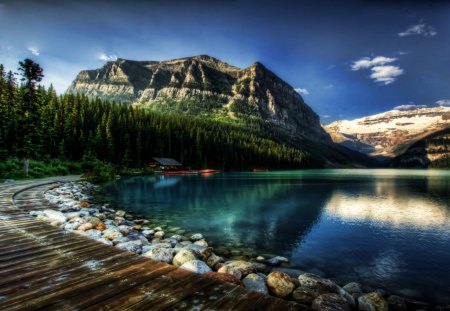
(77, 212)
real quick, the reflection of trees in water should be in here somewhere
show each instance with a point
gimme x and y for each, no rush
(265, 214)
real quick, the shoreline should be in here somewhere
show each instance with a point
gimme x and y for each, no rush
(78, 213)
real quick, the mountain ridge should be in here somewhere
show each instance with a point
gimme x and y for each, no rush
(389, 134)
(247, 92)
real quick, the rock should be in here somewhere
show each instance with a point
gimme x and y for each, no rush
(201, 243)
(196, 237)
(120, 213)
(93, 220)
(255, 283)
(101, 226)
(159, 234)
(148, 233)
(230, 270)
(160, 254)
(158, 229)
(84, 204)
(54, 216)
(260, 259)
(330, 302)
(241, 265)
(71, 226)
(417, 305)
(125, 230)
(280, 284)
(224, 277)
(213, 260)
(396, 303)
(94, 234)
(276, 261)
(313, 286)
(372, 302)
(112, 234)
(303, 296)
(353, 288)
(184, 255)
(130, 247)
(85, 227)
(196, 266)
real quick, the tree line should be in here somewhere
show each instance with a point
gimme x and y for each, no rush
(36, 123)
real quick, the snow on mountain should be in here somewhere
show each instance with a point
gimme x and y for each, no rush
(390, 133)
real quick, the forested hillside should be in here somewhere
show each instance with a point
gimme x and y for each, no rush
(36, 123)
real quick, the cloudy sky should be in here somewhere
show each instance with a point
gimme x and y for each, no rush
(347, 58)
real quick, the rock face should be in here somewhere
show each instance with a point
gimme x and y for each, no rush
(217, 87)
(390, 133)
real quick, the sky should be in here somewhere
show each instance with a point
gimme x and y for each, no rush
(347, 58)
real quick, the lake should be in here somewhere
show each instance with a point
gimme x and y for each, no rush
(388, 229)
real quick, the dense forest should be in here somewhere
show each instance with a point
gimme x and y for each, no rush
(36, 123)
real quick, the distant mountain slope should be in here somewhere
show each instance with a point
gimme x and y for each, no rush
(203, 85)
(391, 133)
(432, 151)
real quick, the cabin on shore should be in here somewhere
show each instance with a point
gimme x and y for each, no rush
(165, 164)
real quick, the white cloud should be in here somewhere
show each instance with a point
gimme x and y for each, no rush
(443, 103)
(386, 74)
(34, 51)
(107, 58)
(420, 29)
(367, 62)
(302, 91)
(326, 116)
(329, 86)
(409, 107)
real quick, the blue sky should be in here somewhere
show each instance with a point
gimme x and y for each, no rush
(348, 58)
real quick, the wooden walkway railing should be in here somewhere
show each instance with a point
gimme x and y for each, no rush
(46, 268)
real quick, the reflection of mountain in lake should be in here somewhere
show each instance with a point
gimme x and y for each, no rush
(391, 204)
(268, 215)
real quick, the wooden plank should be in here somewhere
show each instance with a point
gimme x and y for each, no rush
(115, 289)
(145, 291)
(40, 298)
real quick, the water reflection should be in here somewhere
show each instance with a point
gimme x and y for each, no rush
(386, 228)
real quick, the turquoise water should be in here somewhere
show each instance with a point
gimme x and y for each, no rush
(385, 228)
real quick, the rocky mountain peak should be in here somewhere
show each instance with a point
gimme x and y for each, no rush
(236, 93)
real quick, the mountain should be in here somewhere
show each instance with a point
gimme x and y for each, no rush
(205, 86)
(433, 151)
(391, 133)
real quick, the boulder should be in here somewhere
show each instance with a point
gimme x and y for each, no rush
(120, 213)
(241, 265)
(112, 233)
(160, 254)
(353, 288)
(303, 296)
(94, 234)
(196, 266)
(230, 270)
(196, 237)
(255, 283)
(330, 302)
(159, 234)
(280, 284)
(55, 216)
(131, 246)
(201, 243)
(184, 255)
(85, 227)
(372, 302)
(213, 260)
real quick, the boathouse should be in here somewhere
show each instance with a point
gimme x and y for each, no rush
(165, 164)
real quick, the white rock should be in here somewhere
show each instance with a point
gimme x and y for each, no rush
(196, 266)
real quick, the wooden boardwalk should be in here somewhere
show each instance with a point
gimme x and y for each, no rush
(46, 268)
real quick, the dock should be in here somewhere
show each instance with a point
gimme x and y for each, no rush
(46, 268)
